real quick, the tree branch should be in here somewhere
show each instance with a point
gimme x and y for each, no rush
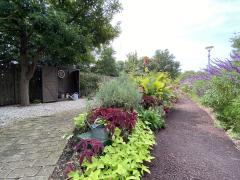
(32, 67)
(8, 18)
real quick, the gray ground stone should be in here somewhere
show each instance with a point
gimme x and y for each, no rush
(45, 171)
(35, 178)
(4, 173)
(24, 172)
(10, 114)
(30, 148)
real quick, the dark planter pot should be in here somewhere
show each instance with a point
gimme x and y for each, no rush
(98, 132)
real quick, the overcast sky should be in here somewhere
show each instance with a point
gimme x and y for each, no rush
(185, 27)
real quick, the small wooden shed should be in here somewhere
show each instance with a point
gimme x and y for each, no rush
(53, 86)
(48, 84)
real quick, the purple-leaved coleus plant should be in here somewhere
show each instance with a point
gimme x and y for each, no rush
(115, 117)
(87, 148)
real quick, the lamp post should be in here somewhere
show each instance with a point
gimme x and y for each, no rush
(209, 48)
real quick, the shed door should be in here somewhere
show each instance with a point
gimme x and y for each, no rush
(50, 84)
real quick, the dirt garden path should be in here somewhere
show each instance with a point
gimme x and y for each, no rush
(30, 148)
(192, 148)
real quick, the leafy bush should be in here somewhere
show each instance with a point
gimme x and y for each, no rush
(156, 84)
(119, 93)
(148, 101)
(231, 115)
(121, 160)
(220, 93)
(152, 118)
(115, 117)
(185, 88)
(89, 83)
(199, 88)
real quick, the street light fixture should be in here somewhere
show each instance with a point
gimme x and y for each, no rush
(209, 48)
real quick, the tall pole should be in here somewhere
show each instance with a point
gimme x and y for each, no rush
(209, 57)
(209, 48)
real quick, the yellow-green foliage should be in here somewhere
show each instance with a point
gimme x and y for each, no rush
(156, 84)
(79, 121)
(121, 160)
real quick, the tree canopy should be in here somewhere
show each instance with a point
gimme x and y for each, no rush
(53, 31)
(106, 64)
(64, 31)
(236, 41)
(163, 60)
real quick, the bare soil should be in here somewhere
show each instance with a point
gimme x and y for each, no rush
(192, 148)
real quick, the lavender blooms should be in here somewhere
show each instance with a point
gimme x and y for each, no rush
(190, 80)
(217, 67)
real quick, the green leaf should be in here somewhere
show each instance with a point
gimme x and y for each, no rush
(74, 175)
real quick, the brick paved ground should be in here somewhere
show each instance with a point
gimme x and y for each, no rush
(29, 149)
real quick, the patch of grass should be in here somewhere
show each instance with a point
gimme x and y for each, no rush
(233, 135)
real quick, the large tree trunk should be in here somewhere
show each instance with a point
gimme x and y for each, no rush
(27, 72)
(24, 81)
(24, 88)
(27, 69)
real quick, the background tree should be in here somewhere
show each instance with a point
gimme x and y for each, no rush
(56, 31)
(86, 66)
(106, 64)
(163, 60)
(236, 42)
(131, 64)
(120, 66)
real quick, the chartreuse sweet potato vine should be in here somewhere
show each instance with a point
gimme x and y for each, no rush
(121, 160)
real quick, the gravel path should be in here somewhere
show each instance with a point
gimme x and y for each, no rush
(192, 148)
(10, 114)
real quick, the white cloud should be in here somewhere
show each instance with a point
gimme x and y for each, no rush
(185, 27)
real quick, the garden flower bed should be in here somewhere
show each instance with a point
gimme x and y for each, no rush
(113, 140)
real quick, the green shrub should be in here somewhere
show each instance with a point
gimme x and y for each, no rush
(121, 160)
(89, 83)
(231, 115)
(199, 88)
(153, 118)
(156, 84)
(220, 93)
(185, 88)
(119, 93)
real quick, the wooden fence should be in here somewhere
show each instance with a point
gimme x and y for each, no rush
(9, 84)
(45, 86)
